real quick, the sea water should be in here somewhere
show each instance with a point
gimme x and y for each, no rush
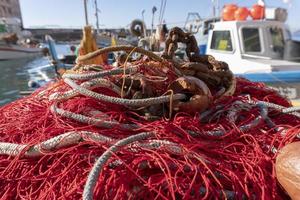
(14, 75)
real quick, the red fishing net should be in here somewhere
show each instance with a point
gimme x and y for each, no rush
(227, 151)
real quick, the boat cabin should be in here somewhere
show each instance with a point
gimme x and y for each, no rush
(250, 46)
(261, 50)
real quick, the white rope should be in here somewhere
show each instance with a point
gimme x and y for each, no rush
(101, 74)
(291, 110)
(90, 184)
(283, 109)
(170, 147)
(94, 83)
(121, 101)
(89, 120)
(55, 143)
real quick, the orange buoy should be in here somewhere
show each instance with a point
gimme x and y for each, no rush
(241, 14)
(228, 12)
(257, 12)
(288, 169)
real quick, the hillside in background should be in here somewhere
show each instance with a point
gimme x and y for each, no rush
(297, 32)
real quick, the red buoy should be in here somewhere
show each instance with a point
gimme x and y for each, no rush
(257, 12)
(241, 14)
(228, 12)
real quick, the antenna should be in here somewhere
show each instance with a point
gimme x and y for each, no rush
(215, 8)
(154, 9)
(85, 12)
(162, 11)
(143, 17)
(96, 14)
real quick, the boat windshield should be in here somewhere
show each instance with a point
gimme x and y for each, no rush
(277, 40)
(221, 41)
(251, 40)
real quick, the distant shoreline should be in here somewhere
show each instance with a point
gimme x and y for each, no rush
(296, 37)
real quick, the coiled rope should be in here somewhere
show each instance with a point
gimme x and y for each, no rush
(55, 143)
(89, 120)
(280, 108)
(75, 137)
(121, 101)
(94, 83)
(100, 74)
(119, 48)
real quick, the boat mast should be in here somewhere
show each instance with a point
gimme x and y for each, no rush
(154, 9)
(86, 13)
(215, 9)
(96, 14)
(143, 17)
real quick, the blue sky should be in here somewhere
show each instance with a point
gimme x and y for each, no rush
(119, 13)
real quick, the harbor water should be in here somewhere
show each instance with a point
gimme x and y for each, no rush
(16, 74)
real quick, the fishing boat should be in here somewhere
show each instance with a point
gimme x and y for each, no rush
(260, 49)
(41, 75)
(15, 43)
(12, 52)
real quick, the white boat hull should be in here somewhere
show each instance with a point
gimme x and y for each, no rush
(17, 52)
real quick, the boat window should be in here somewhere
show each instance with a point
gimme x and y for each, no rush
(2, 28)
(277, 39)
(251, 40)
(221, 40)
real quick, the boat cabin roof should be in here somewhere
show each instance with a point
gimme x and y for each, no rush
(254, 23)
(252, 39)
